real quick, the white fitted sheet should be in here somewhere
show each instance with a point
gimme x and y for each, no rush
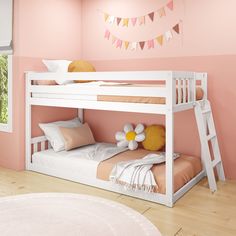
(77, 161)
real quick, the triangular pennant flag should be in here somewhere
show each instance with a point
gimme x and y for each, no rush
(126, 45)
(150, 43)
(141, 20)
(160, 39)
(113, 39)
(106, 16)
(134, 21)
(176, 28)
(134, 46)
(151, 15)
(162, 12)
(142, 44)
(126, 22)
(170, 5)
(119, 43)
(111, 19)
(118, 19)
(107, 34)
(168, 35)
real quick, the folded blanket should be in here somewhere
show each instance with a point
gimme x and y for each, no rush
(137, 174)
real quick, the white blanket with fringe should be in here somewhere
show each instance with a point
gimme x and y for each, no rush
(137, 174)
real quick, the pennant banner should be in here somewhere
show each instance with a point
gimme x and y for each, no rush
(159, 40)
(141, 20)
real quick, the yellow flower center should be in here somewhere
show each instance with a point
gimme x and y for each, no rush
(130, 135)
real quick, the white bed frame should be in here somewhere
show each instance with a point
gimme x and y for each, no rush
(185, 81)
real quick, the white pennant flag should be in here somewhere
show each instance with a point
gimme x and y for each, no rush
(111, 19)
(168, 35)
(134, 46)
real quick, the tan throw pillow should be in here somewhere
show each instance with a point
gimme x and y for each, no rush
(77, 137)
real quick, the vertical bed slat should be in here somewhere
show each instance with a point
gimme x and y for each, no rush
(42, 146)
(179, 90)
(35, 147)
(184, 81)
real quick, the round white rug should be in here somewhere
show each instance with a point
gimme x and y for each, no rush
(55, 214)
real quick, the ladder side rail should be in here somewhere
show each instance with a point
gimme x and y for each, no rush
(205, 152)
(215, 147)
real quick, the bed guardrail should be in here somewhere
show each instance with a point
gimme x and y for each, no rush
(39, 144)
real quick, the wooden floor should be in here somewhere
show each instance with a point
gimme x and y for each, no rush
(198, 213)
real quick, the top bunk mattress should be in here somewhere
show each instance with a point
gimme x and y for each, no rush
(114, 98)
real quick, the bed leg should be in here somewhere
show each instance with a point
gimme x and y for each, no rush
(169, 158)
(27, 124)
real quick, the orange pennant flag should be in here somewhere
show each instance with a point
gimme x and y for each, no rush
(162, 12)
(113, 39)
(160, 39)
(126, 45)
(126, 22)
(141, 20)
(106, 16)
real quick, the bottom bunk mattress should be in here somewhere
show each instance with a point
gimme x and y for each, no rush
(79, 162)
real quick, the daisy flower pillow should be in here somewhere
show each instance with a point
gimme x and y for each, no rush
(130, 136)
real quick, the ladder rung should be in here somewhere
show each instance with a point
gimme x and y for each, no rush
(215, 162)
(206, 111)
(211, 136)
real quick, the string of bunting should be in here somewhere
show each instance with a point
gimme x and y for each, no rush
(150, 44)
(139, 20)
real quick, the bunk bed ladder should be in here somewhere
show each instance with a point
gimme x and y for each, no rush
(211, 156)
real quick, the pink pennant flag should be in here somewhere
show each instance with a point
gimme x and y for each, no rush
(150, 43)
(142, 20)
(119, 43)
(107, 34)
(170, 5)
(134, 21)
(162, 12)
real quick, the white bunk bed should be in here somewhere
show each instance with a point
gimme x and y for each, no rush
(177, 88)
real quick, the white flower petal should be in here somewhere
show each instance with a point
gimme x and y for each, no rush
(123, 143)
(128, 128)
(120, 136)
(139, 128)
(133, 145)
(140, 137)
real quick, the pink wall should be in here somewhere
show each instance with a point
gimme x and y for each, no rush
(207, 44)
(42, 29)
(207, 28)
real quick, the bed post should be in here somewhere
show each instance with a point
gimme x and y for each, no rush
(169, 122)
(27, 123)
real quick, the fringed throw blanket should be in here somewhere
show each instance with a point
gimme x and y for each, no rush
(137, 174)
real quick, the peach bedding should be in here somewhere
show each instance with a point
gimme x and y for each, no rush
(185, 168)
(149, 100)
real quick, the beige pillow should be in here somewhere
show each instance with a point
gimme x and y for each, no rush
(77, 137)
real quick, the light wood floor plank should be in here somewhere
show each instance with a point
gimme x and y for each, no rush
(198, 213)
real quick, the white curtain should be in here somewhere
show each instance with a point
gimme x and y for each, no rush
(6, 25)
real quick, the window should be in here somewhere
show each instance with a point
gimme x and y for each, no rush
(6, 93)
(6, 50)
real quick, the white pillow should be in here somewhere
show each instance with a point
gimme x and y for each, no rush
(58, 66)
(53, 133)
